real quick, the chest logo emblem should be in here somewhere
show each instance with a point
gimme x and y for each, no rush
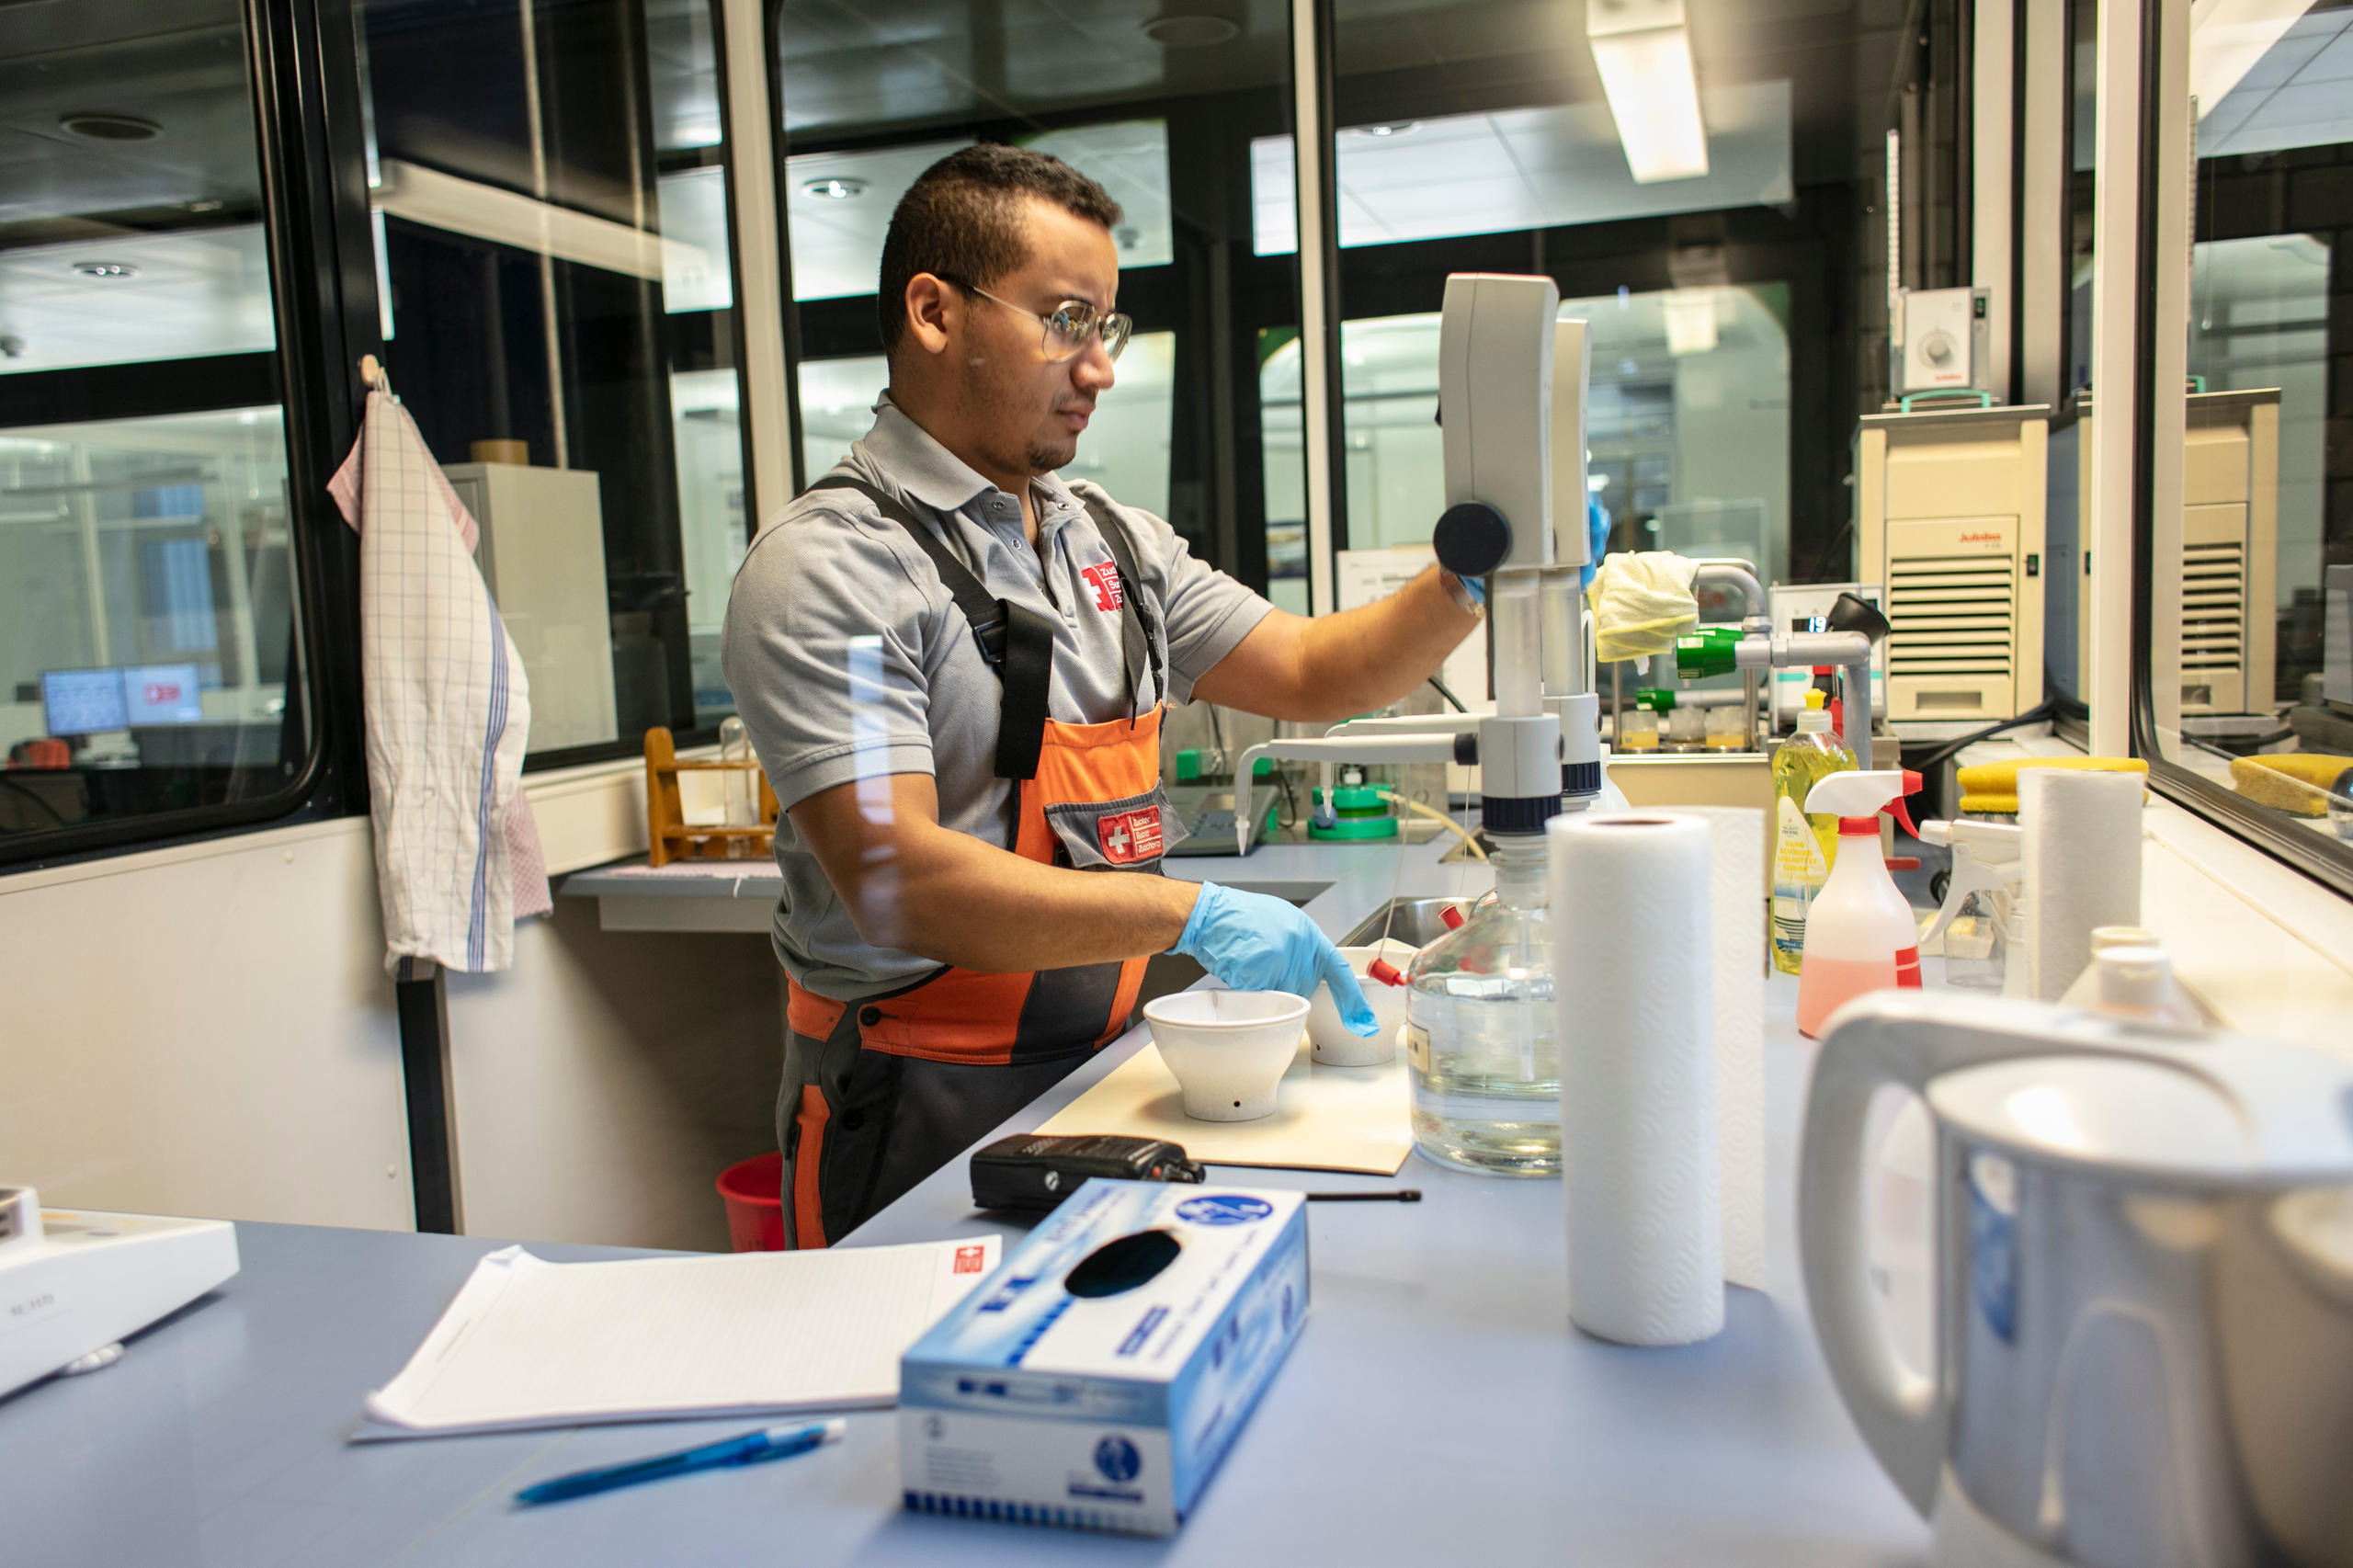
(1104, 576)
(1128, 838)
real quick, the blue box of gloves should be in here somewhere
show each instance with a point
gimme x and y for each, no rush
(1099, 1375)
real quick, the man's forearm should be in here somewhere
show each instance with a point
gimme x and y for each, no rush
(972, 904)
(913, 885)
(1370, 657)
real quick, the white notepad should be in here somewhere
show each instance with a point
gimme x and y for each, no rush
(528, 1342)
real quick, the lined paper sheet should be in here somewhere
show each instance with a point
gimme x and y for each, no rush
(528, 1342)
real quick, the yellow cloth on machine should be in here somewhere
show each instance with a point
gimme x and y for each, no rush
(1641, 602)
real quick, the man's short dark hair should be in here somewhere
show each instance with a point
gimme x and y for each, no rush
(962, 219)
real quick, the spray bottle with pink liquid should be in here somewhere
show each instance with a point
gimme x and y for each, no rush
(1860, 934)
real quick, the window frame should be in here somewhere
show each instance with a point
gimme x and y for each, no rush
(303, 94)
(2326, 861)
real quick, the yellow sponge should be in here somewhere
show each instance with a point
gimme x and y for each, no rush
(2299, 782)
(1991, 788)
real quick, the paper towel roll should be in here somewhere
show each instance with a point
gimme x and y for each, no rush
(2080, 853)
(1736, 894)
(1632, 961)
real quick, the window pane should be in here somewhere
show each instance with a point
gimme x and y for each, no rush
(2264, 642)
(1163, 118)
(1522, 168)
(147, 582)
(1125, 448)
(551, 183)
(1708, 197)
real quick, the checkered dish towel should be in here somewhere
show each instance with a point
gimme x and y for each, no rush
(447, 710)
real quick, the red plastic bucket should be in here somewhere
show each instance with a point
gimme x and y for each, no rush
(754, 1206)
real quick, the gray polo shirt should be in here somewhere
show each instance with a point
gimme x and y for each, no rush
(848, 660)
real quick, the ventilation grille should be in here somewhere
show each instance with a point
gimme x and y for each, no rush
(1951, 615)
(2213, 606)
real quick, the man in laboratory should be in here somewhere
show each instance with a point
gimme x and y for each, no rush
(953, 665)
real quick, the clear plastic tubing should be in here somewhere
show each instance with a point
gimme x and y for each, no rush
(1485, 1070)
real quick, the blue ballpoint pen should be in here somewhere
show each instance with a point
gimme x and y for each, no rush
(751, 1447)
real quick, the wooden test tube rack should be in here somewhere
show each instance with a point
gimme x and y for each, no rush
(672, 838)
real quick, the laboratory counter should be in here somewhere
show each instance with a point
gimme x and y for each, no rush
(1438, 1407)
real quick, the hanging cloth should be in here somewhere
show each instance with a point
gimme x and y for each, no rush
(448, 712)
(1641, 602)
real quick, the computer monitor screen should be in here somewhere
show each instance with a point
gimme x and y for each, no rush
(83, 702)
(162, 694)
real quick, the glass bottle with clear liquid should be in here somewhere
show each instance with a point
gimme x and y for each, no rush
(1485, 1070)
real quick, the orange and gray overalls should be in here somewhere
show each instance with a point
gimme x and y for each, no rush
(881, 1092)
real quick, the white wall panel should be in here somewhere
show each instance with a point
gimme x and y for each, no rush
(206, 1030)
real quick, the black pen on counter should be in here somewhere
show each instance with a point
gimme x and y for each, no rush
(1403, 1194)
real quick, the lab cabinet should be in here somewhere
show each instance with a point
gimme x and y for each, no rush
(2230, 549)
(542, 556)
(1949, 517)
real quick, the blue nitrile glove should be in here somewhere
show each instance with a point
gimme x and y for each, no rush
(1597, 534)
(1252, 942)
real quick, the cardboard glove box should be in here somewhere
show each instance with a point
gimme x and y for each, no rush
(1099, 1375)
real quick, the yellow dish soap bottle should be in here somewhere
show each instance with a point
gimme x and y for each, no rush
(1804, 847)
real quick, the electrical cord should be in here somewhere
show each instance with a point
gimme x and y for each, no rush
(2052, 707)
(1450, 696)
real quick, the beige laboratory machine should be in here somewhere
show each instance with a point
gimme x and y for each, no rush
(2230, 549)
(1948, 515)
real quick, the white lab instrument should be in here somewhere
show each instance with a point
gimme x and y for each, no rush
(1980, 924)
(1512, 380)
(74, 1282)
(1940, 341)
(1950, 517)
(1806, 607)
(2144, 1296)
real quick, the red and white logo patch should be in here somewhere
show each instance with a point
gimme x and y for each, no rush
(1129, 836)
(1104, 576)
(969, 1259)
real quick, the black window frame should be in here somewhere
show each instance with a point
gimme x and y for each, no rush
(303, 82)
(2326, 861)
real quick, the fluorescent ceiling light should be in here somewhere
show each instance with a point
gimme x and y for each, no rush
(1643, 53)
(1690, 321)
(2227, 37)
(419, 195)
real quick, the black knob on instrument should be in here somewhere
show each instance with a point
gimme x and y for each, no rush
(1471, 540)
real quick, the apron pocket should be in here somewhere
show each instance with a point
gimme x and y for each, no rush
(1128, 835)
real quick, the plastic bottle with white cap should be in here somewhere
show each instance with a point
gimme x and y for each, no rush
(2131, 975)
(1860, 934)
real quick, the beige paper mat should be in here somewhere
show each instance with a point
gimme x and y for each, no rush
(1326, 1119)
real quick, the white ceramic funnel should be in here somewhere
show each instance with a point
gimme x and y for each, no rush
(1227, 1049)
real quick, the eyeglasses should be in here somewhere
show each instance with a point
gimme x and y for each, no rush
(1070, 326)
